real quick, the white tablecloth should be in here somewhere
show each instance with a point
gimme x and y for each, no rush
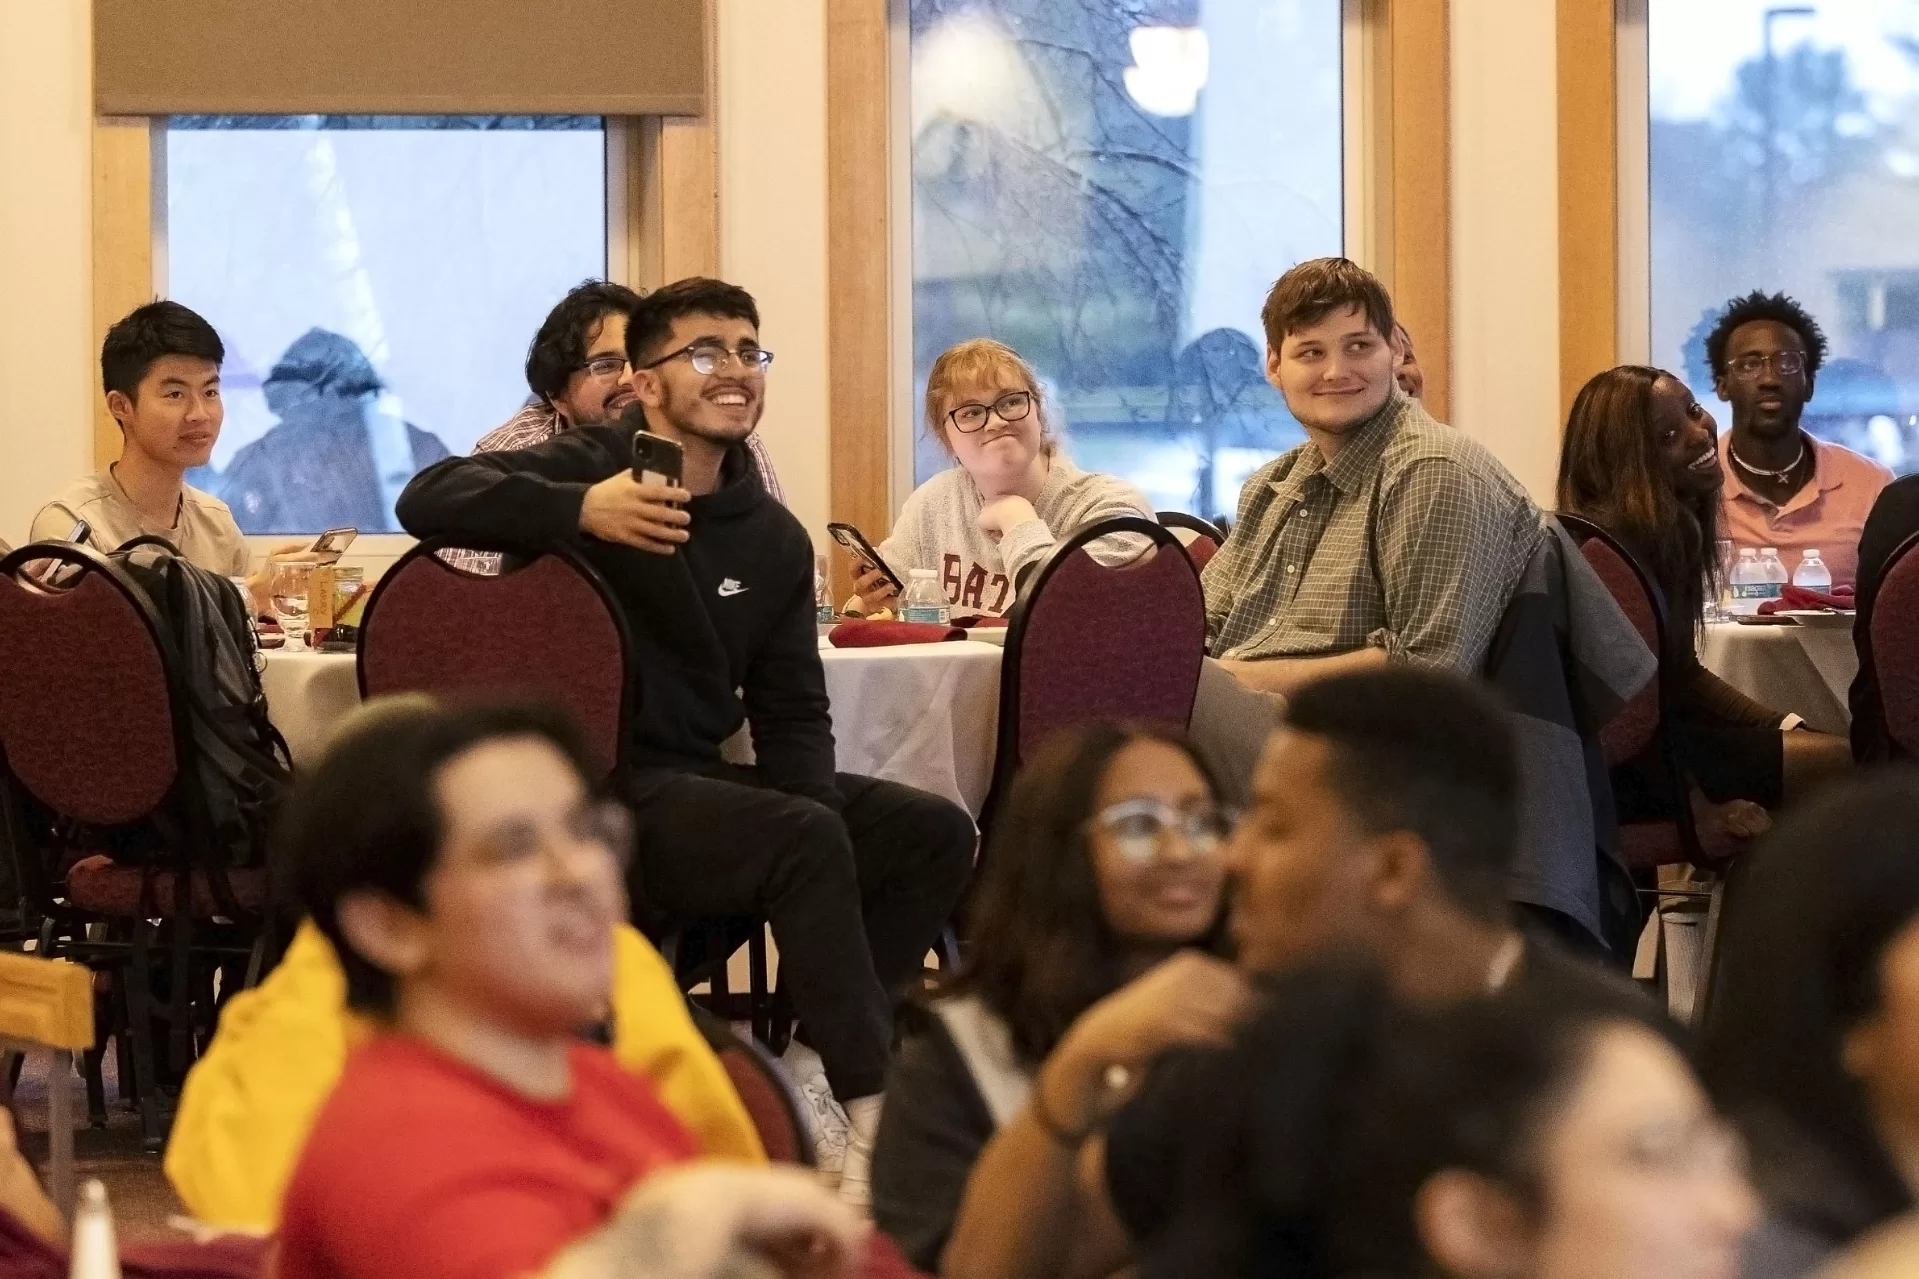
(1802, 669)
(307, 694)
(921, 714)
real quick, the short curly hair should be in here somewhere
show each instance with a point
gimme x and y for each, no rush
(1758, 305)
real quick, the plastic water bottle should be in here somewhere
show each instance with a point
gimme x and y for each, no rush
(822, 592)
(96, 1255)
(1749, 584)
(1812, 573)
(924, 601)
(1776, 575)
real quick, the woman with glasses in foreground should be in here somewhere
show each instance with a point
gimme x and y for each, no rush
(1011, 497)
(1105, 861)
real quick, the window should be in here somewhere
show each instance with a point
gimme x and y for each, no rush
(376, 280)
(1110, 188)
(1785, 156)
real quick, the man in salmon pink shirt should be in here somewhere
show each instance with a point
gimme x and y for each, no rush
(1784, 488)
(470, 879)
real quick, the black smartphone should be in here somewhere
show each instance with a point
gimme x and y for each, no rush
(81, 532)
(855, 541)
(334, 541)
(656, 459)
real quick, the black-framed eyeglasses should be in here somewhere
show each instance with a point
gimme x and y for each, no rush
(1138, 827)
(1749, 368)
(602, 366)
(708, 358)
(1010, 407)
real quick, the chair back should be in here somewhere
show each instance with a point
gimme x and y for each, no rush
(1895, 645)
(1638, 722)
(1086, 641)
(86, 709)
(764, 1088)
(1201, 537)
(547, 629)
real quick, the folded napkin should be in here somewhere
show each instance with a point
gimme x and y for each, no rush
(979, 623)
(1798, 597)
(864, 634)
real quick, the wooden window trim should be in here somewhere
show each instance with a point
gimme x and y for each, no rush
(1409, 188)
(1588, 193)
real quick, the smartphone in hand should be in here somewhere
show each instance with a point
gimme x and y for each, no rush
(657, 460)
(855, 541)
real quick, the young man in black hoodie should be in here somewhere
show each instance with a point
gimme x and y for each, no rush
(857, 876)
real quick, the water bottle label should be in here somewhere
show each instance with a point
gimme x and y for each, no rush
(1754, 590)
(937, 614)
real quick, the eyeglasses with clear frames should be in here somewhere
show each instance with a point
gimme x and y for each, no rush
(1139, 827)
(708, 358)
(601, 828)
(1749, 368)
(1010, 407)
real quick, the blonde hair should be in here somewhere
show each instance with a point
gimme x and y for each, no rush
(975, 362)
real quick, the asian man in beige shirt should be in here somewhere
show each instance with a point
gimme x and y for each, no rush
(161, 370)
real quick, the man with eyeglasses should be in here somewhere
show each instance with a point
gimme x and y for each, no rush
(577, 371)
(715, 578)
(1784, 488)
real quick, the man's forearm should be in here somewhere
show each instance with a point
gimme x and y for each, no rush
(1285, 675)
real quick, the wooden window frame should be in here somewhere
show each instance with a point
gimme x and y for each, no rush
(1399, 206)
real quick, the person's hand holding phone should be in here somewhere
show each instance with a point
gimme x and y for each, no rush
(875, 589)
(647, 517)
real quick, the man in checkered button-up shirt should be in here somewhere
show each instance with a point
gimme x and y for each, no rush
(1387, 535)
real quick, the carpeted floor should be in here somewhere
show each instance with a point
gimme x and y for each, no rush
(142, 1200)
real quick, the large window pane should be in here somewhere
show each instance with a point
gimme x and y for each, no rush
(1110, 188)
(1785, 156)
(376, 281)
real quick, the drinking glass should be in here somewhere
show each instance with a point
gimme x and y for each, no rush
(290, 582)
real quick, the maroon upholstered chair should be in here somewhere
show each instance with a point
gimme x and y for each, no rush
(764, 1089)
(547, 629)
(96, 735)
(1641, 724)
(1087, 642)
(1895, 645)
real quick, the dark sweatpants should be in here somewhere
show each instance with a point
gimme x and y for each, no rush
(855, 898)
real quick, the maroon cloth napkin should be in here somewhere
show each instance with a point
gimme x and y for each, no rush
(979, 623)
(864, 634)
(1798, 597)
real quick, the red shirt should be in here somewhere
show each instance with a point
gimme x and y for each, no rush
(420, 1167)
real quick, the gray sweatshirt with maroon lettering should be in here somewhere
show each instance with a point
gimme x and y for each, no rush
(938, 528)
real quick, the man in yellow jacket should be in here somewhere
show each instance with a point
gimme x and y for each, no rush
(250, 1100)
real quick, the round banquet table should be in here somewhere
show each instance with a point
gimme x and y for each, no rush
(925, 715)
(1802, 669)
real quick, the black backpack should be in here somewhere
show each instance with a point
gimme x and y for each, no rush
(242, 763)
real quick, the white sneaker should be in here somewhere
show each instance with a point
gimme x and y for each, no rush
(856, 1169)
(824, 1118)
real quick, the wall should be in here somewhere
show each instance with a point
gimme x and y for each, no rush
(45, 254)
(1506, 233)
(772, 123)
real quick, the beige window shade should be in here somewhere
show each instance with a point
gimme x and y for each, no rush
(399, 57)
